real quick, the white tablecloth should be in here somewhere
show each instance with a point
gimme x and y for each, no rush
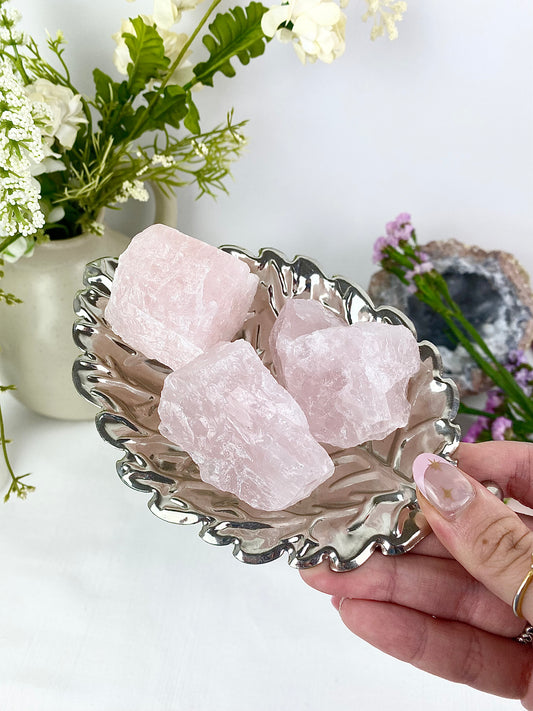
(103, 607)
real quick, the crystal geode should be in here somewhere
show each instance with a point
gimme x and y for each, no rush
(174, 296)
(350, 380)
(494, 293)
(244, 431)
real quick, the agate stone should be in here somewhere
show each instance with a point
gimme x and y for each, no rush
(174, 296)
(244, 431)
(350, 380)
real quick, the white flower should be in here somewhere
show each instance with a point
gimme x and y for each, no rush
(62, 111)
(49, 165)
(132, 189)
(386, 14)
(162, 159)
(172, 42)
(317, 30)
(168, 12)
(21, 247)
(21, 146)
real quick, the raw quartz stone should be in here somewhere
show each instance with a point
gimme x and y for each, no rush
(298, 317)
(174, 296)
(350, 380)
(244, 431)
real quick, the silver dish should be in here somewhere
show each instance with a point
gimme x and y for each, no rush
(369, 503)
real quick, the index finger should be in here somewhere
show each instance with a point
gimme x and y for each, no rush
(509, 464)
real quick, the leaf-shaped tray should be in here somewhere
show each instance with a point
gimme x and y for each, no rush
(369, 502)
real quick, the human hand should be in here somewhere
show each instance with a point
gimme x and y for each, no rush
(445, 607)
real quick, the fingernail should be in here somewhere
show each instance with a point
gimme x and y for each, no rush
(443, 485)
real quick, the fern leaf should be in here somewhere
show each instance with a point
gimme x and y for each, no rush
(147, 54)
(236, 33)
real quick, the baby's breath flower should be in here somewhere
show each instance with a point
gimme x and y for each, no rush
(9, 34)
(132, 189)
(200, 148)
(96, 228)
(21, 147)
(386, 14)
(161, 159)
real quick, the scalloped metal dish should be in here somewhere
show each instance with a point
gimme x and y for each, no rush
(370, 500)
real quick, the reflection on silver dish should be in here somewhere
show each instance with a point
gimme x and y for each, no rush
(370, 500)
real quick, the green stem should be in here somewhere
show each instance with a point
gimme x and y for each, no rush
(7, 241)
(466, 410)
(175, 64)
(3, 441)
(461, 328)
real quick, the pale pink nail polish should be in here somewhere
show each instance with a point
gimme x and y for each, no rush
(443, 485)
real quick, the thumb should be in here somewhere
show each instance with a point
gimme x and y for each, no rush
(478, 529)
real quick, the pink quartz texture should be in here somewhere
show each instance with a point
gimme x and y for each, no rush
(244, 431)
(350, 381)
(174, 296)
(298, 317)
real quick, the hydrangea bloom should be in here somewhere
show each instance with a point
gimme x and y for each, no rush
(62, 111)
(168, 12)
(316, 28)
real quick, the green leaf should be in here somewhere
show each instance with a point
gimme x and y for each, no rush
(106, 88)
(192, 120)
(170, 108)
(147, 54)
(236, 33)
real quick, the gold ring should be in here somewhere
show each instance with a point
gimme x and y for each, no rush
(518, 598)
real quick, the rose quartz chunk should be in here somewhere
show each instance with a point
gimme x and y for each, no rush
(350, 381)
(245, 432)
(297, 318)
(174, 296)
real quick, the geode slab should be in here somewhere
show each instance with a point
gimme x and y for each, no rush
(494, 293)
(242, 428)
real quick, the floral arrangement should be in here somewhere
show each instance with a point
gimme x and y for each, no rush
(64, 157)
(508, 411)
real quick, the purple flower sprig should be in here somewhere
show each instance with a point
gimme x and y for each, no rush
(398, 252)
(509, 410)
(497, 421)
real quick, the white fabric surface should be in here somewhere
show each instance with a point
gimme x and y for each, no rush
(103, 607)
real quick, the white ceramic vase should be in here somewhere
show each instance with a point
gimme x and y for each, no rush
(37, 350)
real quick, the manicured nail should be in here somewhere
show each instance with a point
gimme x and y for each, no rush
(442, 484)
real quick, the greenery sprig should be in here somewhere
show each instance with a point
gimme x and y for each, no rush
(509, 410)
(17, 487)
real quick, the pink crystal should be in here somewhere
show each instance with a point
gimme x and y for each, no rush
(174, 296)
(297, 318)
(245, 432)
(350, 381)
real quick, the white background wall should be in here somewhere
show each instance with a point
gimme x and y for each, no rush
(103, 606)
(437, 123)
